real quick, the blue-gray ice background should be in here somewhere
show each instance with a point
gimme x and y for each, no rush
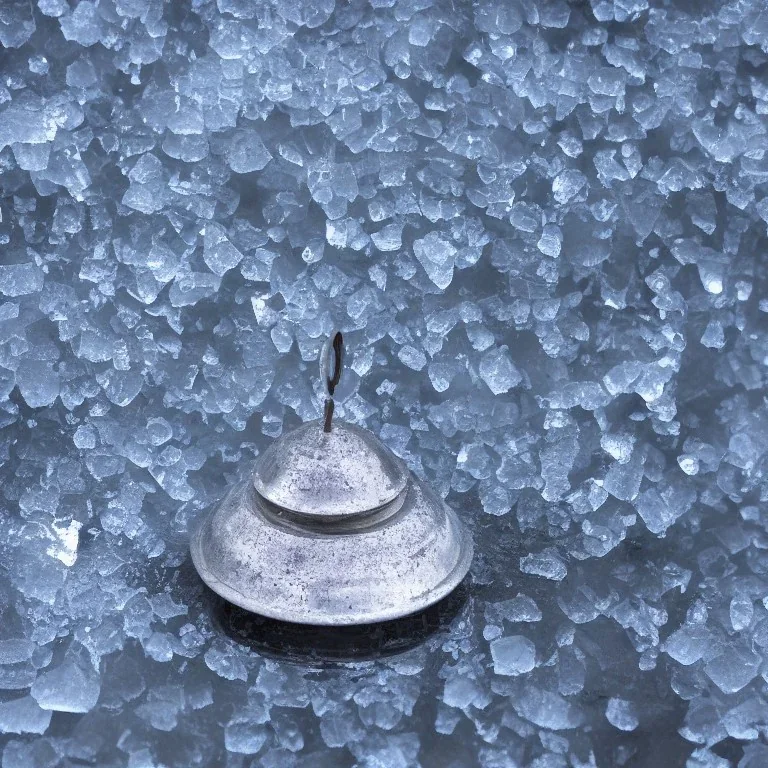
(541, 227)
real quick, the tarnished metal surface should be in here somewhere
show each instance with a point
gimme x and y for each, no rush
(256, 557)
(339, 473)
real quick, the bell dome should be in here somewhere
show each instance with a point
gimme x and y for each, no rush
(330, 475)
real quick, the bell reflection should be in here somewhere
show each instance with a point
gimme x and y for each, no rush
(319, 646)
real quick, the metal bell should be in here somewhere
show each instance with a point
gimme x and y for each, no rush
(331, 529)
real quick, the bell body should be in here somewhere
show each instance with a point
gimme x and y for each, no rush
(331, 529)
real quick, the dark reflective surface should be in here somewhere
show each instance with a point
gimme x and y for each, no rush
(307, 644)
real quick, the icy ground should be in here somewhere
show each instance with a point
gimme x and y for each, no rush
(542, 228)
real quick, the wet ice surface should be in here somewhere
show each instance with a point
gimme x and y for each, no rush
(541, 227)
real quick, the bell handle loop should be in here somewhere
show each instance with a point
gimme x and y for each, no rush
(333, 348)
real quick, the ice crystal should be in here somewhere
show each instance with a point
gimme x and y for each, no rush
(541, 227)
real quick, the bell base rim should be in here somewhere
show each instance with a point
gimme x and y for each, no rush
(329, 618)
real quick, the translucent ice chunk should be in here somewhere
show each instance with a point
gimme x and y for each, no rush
(688, 644)
(17, 24)
(32, 157)
(623, 479)
(498, 18)
(621, 714)
(20, 279)
(84, 25)
(547, 709)
(161, 707)
(589, 395)
(159, 431)
(23, 715)
(389, 238)
(38, 383)
(340, 726)
(437, 255)
(312, 13)
(462, 692)
(67, 688)
(556, 462)
(513, 655)
(713, 336)
(619, 446)
(494, 498)
(246, 152)
(412, 357)
(741, 612)
(218, 252)
(567, 185)
(498, 371)
(733, 669)
(225, 664)
(547, 564)
(607, 81)
(244, 736)
(703, 758)
(551, 240)
(15, 651)
(121, 387)
(26, 123)
(520, 608)
(188, 289)
(656, 513)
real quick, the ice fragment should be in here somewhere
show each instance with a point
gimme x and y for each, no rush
(38, 382)
(547, 709)
(733, 669)
(546, 564)
(437, 255)
(621, 714)
(498, 371)
(513, 655)
(69, 687)
(23, 715)
(20, 279)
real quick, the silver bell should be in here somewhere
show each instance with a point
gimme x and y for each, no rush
(331, 529)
